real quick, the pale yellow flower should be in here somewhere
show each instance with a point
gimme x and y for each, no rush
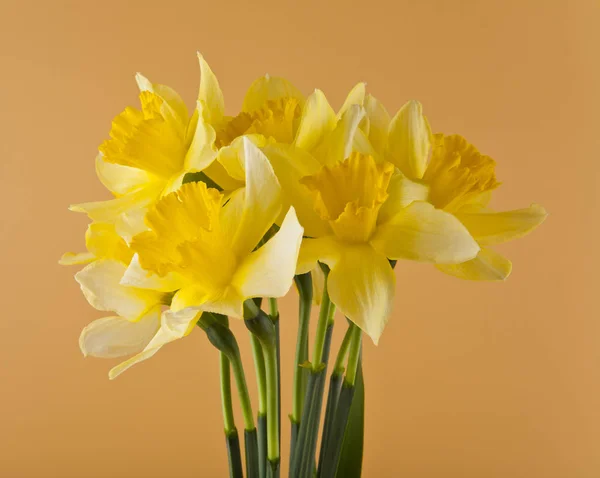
(204, 250)
(357, 213)
(453, 175)
(138, 310)
(149, 152)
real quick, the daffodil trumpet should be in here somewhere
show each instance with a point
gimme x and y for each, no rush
(213, 217)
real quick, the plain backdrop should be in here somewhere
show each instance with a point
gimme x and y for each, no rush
(470, 380)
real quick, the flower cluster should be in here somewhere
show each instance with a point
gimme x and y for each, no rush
(210, 210)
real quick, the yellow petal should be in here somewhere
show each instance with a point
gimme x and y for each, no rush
(75, 258)
(361, 284)
(410, 140)
(103, 242)
(422, 233)
(379, 122)
(115, 336)
(100, 284)
(135, 276)
(217, 173)
(291, 165)
(401, 192)
(172, 327)
(318, 119)
(325, 249)
(168, 94)
(202, 150)
(262, 201)
(120, 179)
(355, 97)
(232, 157)
(487, 266)
(318, 284)
(269, 271)
(226, 301)
(210, 94)
(109, 211)
(269, 88)
(337, 145)
(490, 228)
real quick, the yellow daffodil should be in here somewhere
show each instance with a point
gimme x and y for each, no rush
(201, 254)
(138, 310)
(454, 176)
(148, 153)
(358, 213)
(273, 110)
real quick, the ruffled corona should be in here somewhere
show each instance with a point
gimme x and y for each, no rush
(458, 173)
(277, 119)
(349, 195)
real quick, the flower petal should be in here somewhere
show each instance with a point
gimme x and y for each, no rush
(318, 119)
(361, 284)
(401, 192)
(262, 201)
(115, 336)
(210, 94)
(119, 179)
(379, 122)
(290, 165)
(422, 233)
(488, 266)
(269, 88)
(173, 326)
(100, 284)
(76, 258)
(226, 301)
(410, 140)
(337, 145)
(168, 94)
(490, 228)
(135, 276)
(109, 211)
(355, 97)
(269, 271)
(324, 249)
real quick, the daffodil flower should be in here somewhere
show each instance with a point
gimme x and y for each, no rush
(273, 110)
(454, 176)
(357, 213)
(138, 310)
(200, 252)
(149, 152)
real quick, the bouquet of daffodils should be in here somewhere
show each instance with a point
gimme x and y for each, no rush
(215, 217)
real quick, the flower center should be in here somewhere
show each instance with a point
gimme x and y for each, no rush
(146, 139)
(458, 173)
(186, 237)
(277, 119)
(349, 195)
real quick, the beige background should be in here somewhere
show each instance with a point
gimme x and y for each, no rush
(470, 380)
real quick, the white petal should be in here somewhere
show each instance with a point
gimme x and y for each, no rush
(115, 336)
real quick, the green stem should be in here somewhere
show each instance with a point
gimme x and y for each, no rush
(303, 457)
(342, 352)
(262, 445)
(264, 329)
(325, 318)
(353, 355)
(270, 353)
(251, 442)
(261, 378)
(234, 456)
(226, 402)
(274, 314)
(224, 340)
(305, 291)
